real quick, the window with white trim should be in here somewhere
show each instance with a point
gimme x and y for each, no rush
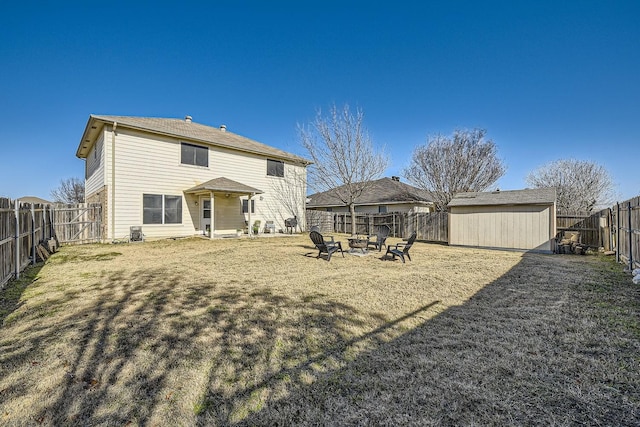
(245, 206)
(161, 209)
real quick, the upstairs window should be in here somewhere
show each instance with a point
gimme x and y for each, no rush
(275, 168)
(194, 154)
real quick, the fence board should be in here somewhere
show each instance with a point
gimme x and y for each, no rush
(22, 227)
(627, 232)
(589, 224)
(78, 224)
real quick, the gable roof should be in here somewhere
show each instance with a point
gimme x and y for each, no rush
(381, 191)
(223, 185)
(538, 196)
(182, 129)
(34, 199)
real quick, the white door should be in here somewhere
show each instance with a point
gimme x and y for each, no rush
(205, 216)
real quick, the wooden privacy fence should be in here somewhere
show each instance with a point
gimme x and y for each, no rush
(22, 227)
(429, 226)
(79, 223)
(594, 228)
(626, 229)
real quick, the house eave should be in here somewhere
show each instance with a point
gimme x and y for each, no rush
(88, 137)
(87, 141)
(402, 202)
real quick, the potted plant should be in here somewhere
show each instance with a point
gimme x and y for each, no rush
(256, 227)
(239, 232)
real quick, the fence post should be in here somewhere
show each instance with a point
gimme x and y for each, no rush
(617, 232)
(33, 234)
(16, 209)
(394, 224)
(630, 240)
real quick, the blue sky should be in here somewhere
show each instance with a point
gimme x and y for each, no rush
(546, 79)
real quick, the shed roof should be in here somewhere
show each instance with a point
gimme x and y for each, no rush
(182, 128)
(381, 191)
(538, 196)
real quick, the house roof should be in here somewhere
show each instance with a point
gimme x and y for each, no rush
(538, 196)
(223, 185)
(34, 199)
(183, 129)
(381, 191)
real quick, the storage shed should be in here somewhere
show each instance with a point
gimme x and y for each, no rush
(519, 219)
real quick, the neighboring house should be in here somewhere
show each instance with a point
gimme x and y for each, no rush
(382, 196)
(179, 178)
(519, 219)
(34, 199)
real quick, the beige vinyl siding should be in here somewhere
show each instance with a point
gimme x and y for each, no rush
(251, 170)
(284, 197)
(150, 164)
(528, 227)
(228, 214)
(95, 179)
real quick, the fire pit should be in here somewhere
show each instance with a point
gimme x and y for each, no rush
(358, 243)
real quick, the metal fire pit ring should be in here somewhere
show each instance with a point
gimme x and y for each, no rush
(358, 243)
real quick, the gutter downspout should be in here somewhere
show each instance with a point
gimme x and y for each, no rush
(212, 219)
(249, 226)
(113, 181)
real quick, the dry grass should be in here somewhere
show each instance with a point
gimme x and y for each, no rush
(198, 332)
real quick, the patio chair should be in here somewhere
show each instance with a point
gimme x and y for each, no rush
(269, 227)
(316, 228)
(325, 247)
(401, 249)
(381, 237)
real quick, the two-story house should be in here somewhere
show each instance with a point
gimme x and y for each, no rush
(179, 178)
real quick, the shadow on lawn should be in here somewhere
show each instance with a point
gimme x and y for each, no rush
(512, 354)
(530, 348)
(12, 292)
(127, 348)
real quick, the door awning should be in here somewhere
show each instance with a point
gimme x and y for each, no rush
(223, 185)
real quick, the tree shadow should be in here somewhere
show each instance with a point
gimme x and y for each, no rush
(527, 349)
(149, 341)
(11, 294)
(127, 347)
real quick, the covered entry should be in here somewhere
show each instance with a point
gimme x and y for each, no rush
(520, 219)
(219, 207)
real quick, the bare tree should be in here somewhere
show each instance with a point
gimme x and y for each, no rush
(446, 165)
(70, 191)
(289, 193)
(580, 185)
(344, 158)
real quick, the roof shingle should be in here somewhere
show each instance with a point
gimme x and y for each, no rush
(384, 190)
(511, 197)
(192, 131)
